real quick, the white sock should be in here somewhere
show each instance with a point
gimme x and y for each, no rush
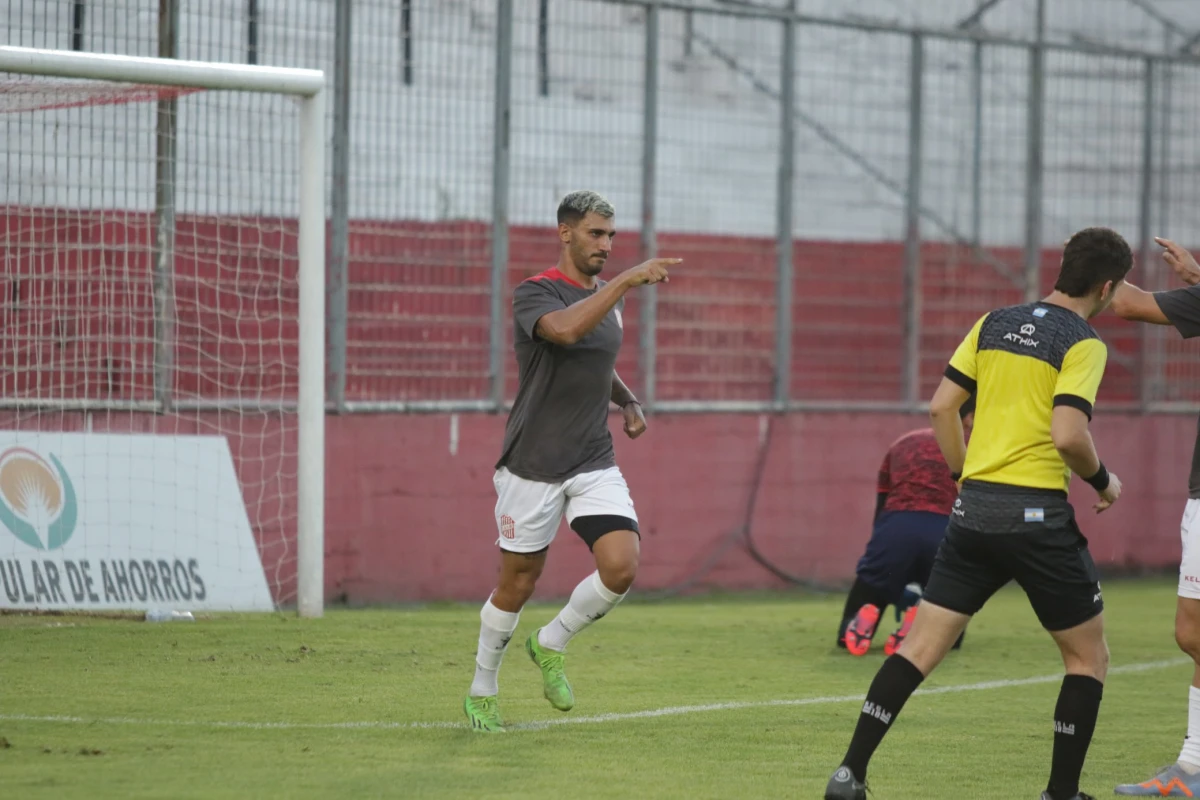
(1189, 757)
(495, 629)
(590, 601)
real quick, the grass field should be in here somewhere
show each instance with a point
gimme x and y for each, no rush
(715, 698)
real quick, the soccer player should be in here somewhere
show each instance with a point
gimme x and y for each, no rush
(914, 494)
(557, 458)
(1181, 309)
(1035, 370)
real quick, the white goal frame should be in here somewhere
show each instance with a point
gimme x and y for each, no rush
(308, 86)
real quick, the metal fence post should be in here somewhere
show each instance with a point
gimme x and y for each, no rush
(500, 164)
(78, 17)
(1166, 79)
(339, 234)
(647, 351)
(1148, 378)
(253, 18)
(783, 245)
(912, 228)
(977, 144)
(165, 160)
(1033, 160)
(543, 48)
(406, 41)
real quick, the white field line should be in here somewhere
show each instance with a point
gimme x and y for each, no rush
(669, 711)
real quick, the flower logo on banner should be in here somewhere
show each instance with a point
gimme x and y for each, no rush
(37, 499)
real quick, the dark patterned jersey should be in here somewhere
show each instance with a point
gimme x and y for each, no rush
(914, 476)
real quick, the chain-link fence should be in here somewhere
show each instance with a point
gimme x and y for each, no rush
(847, 195)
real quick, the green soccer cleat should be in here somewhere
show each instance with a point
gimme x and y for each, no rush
(554, 680)
(484, 714)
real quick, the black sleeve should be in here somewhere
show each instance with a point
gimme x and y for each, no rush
(963, 381)
(1182, 308)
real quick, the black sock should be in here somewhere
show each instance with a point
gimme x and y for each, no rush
(1074, 722)
(895, 682)
(861, 594)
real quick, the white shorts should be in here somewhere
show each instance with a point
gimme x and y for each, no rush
(1189, 565)
(528, 512)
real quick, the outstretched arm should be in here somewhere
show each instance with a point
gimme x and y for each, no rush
(566, 326)
(1138, 305)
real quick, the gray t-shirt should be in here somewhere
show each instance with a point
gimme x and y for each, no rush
(558, 427)
(1182, 308)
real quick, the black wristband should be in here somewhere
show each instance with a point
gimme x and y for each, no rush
(956, 476)
(1099, 481)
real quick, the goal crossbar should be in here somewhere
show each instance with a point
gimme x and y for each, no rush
(161, 71)
(309, 86)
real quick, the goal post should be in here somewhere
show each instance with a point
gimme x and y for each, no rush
(308, 404)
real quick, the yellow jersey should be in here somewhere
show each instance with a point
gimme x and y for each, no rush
(1021, 362)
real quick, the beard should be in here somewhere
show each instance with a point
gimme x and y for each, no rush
(591, 265)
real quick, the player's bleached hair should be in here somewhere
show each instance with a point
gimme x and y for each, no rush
(577, 205)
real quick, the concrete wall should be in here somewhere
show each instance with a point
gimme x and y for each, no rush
(409, 499)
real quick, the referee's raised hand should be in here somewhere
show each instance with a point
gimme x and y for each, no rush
(652, 271)
(1109, 495)
(1180, 261)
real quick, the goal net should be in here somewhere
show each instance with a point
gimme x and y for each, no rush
(160, 437)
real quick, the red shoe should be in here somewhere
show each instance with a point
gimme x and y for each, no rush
(893, 642)
(861, 630)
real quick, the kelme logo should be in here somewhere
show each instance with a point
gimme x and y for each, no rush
(37, 500)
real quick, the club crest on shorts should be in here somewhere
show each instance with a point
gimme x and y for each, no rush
(508, 527)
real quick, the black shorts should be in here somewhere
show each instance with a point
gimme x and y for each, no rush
(1049, 560)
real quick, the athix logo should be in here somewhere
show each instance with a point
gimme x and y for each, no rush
(37, 499)
(958, 509)
(1024, 338)
(620, 321)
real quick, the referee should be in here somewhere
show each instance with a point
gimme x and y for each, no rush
(1035, 370)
